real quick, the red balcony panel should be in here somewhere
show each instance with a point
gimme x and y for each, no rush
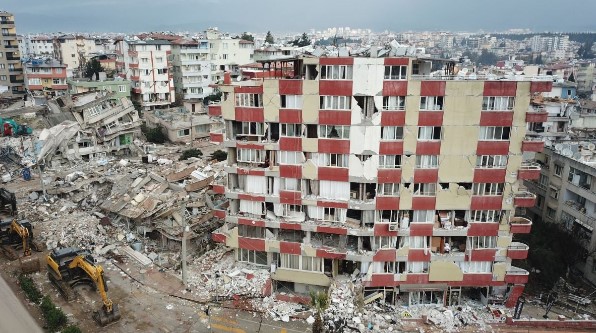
(332, 204)
(483, 228)
(385, 255)
(249, 197)
(421, 229)
(477, 279)
(290, 248)
(388, 176)
(290, 144)
(135, 78)
(387, 203)
(496, 118)
(249, 114)
(391, 148)
(336, 61)
(492, 148)
(396, 61)
(395, 88)
(330, 254)
(252, 172)
(219, 213)
(393, 118)
(430, 118)
(38, 87)
(290, 116)
(500, 88)
(290, 197)
(426, 175)
(520, 225)
(536, 117)
(531, 145)
(481, 255)
(216, 137)
(244, 145)
(290, 226)
(382, 280)
(290, 87)
(424, 203)
(511, 277)
(417, 278)
(332, 230)
(428, 147)
(133, 65)
(526, 199)
(489, 175)
(214, 110)
(382, 229)
(251, 222)
(334, 146)
(541, 86)
(332, 173)
(290, 171)
(418, 254)
(219, 238)
(493, 202)
(518, 253)
(335, 117)
(248, 89)
(251, 243)
(219, 189)
(432, 88)
(335, 87)
(528, 174)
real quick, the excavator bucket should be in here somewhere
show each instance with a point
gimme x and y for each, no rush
(104, 318)
(29, 264)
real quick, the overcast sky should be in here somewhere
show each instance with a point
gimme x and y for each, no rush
(299, 15)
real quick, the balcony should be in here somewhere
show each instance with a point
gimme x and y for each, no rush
(13, 58)
(528, 171)
(524, 199)
(6, 22)
(214, 110)
(520, 225)
(516, 275)
(11, 46)
(9, 34)
(532, 145)
(536, 115)
(517, 250)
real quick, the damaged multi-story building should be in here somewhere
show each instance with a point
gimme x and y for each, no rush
(179, 124)
(382, 168)
(88, 126)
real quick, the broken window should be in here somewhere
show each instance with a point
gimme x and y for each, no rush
(395, 72)
(491, 161)
(251, 256)
(312, 131)
(249, 100)
(288, 210)
(498, 103)
(485, 216)
(425, 189)
(388, 189)
(389, 161)
(334, 131)
(289, 235)
(387, 216)
(291, 101)
(429, 133)
(494, 133)
(427, 161)
(249, 128)
(487, 188)
(481, 242)
(431, 103)
(251, 231)
(392, 133)
(367, 105)
(290, 184)
(184, 132)
(335, 103)
(393, 103)
(362, 191)
(336, 72)
(311, 72)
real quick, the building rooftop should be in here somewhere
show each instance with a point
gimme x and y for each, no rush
(149, 42)
(581, 151)
(48, 63)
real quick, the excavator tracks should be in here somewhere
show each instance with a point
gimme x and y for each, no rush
(10, 253)
(63, 287)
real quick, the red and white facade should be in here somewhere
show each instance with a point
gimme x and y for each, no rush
(372, 165)
(46, 77)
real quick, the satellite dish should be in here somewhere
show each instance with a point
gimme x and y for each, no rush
(548, 143)
(558, 146)
(591, 146)
(567, 152)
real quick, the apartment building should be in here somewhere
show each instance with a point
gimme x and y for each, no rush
(72, 50)
(11, 70)
(146, 63)
(120, 87)
(382, 169)
(227, 53)
(45, 77)
(192, 71)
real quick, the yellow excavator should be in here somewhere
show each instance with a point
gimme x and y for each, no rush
(15, 234)
(68, 267)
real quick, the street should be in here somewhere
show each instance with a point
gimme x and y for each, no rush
(13, 315)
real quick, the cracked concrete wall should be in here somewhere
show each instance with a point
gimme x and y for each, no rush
(444, 271)
(271, 105)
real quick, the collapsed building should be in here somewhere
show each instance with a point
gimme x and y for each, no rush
(178, 124)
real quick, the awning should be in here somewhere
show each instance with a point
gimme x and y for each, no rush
(423, 287)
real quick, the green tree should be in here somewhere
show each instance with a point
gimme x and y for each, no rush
(219, 155)
(93, 67)
(302, 41)
(320, 302)
(487, 58)
(269, 38)
(154, 135)
(193, 152)
(248, 37)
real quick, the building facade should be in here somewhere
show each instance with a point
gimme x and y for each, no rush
(192, 70)
(11, 70)
(227, 53)
(379, 168)
(46, 77)
(120, 88)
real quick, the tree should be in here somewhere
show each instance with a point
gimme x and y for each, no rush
(248, 37)
(585, 51)
(269, 38)
(487, 58)
(320, 302)
(93, 67)
(193, 152)
(302, 41)
(154, 135)
(538, 60)
(219, 155)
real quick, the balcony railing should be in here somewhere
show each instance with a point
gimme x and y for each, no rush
(529, 170)
(520, 225)
(7, 22)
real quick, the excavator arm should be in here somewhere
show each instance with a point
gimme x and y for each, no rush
(24, 234)
(96, 274)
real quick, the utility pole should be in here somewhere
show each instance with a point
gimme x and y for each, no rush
(184, 232)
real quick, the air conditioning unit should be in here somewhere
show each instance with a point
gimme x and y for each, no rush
(393, 227)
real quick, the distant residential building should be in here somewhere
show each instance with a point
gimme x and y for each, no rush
(73, 50)
(585, 73)
(45, 77)
(192, 70)
(179, 124)
(227, 53)
(11, 70)
(120, 87)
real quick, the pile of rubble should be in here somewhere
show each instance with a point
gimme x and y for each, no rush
(279, 310)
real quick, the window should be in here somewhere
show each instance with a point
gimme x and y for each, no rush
(336, 72)
(387, 216)
(482, 242)
(389, 161)
(251, 128)
(494, 133)
(327, 213)
(2, 66)
(224, 56)
(427, 161)
(476, 266)
(558, 170)
(158, 59)
(429, 133)
(305, 263)
(485, 216)
(34, 81)
(425, 189)
(250, 155)
(3, 78)
(288, 210)
(249, 100)
(294, 130)
(56, 81)
(487, 189)
(291, 101)
(417, 266)
(394, 103)
(388, 189)
(554, 193)
(498, 103)
(384, 242)
(418, 242)
(336, 103)
(491, 161)
(144, 60)
(334, 131)
(290, 157)
(423, 216)
(184, 132)
(539, 201)
(162, 71)
(121, 88)
(550, 213)
(330, 160)
(395, 72)
(392, 133)
(433, 103)
(251, 256)
(58, 70)
(251, 231)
